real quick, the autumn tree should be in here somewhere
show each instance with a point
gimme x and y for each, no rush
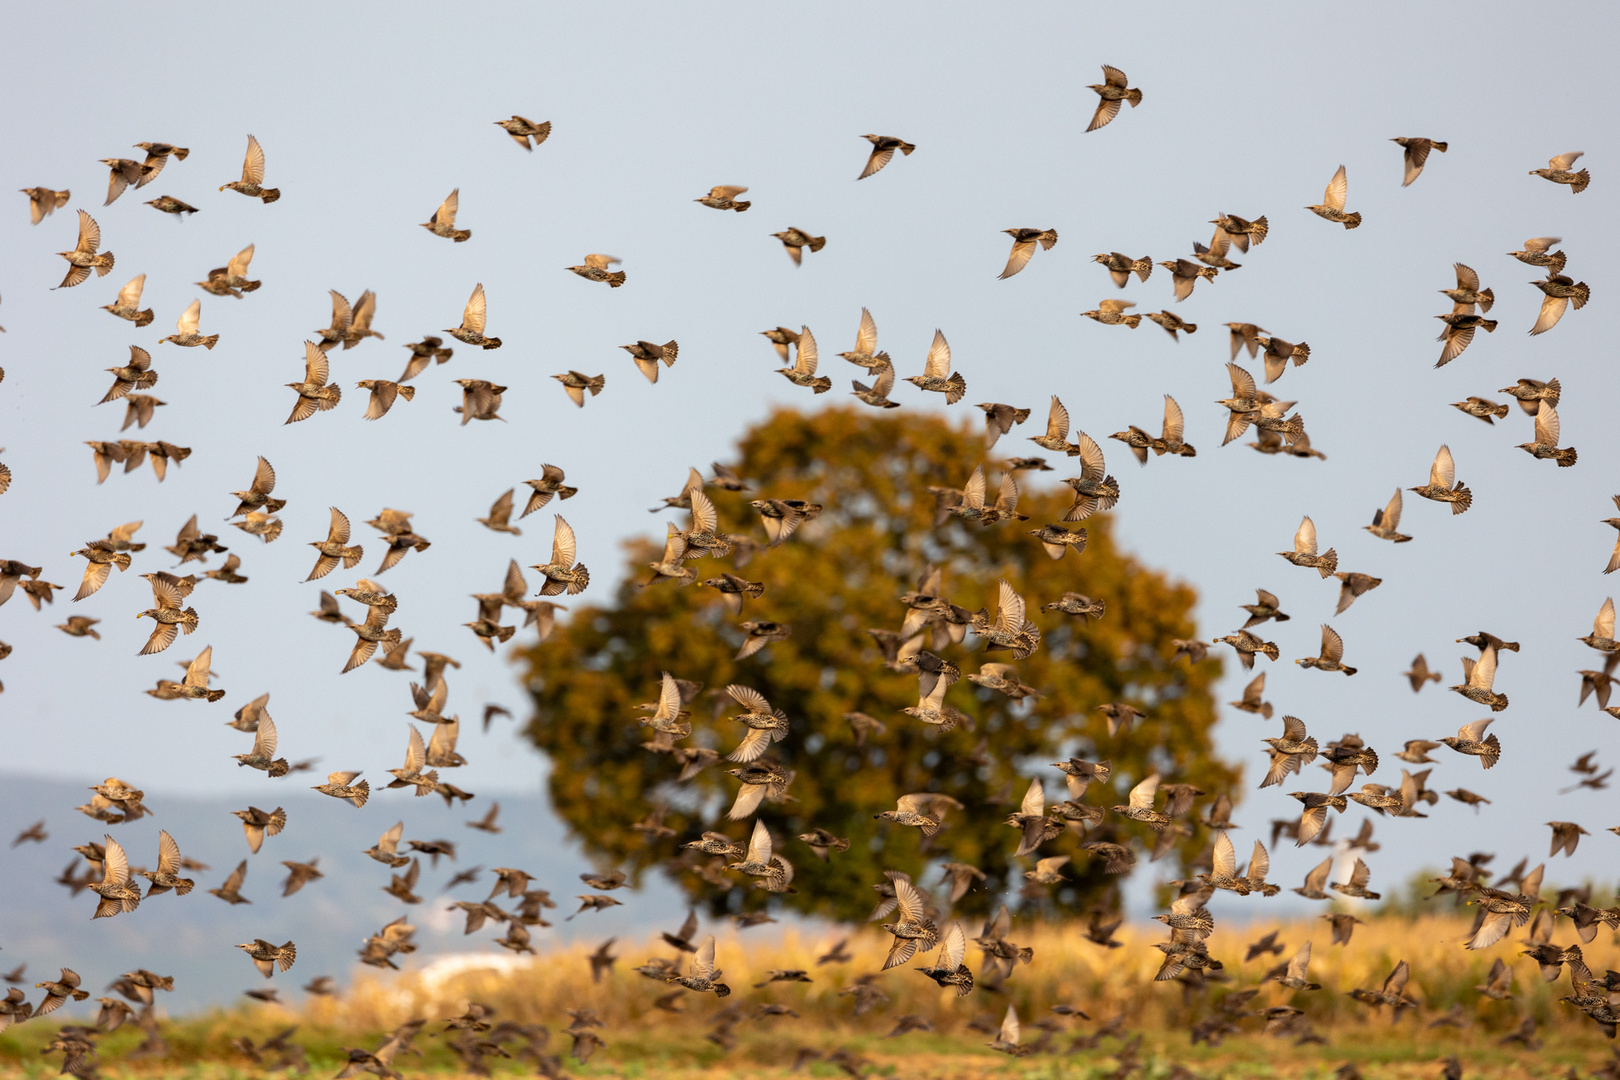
(833, 579)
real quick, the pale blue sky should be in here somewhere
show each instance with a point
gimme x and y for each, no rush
(367, 122)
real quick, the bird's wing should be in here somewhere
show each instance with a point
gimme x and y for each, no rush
(238, 264)
(939, 357)
(1467, 278)
(807, 358)
(562, 544)
(1057, 420)
(1224, 858)
(1293, 728)
(115, 865)
(1242, 382)
(1143, 794)
(1332, 644)
(703, 959)
(1319, 874)
(749, 698)
(759, 844)
(89, 234)
(264, 740)
(1009, 1023)
(130, 295)
(1552, 309)
(909, 901)
(339, 531)
(973, 490)
(415, 752)
(253, 163)
(472, 316)
(197, 670)
(1443, 473)
(1564, 161)
(1034, 804)
(499, 511)
(1259, 863)
(866, 336)
(1009, 608)
(1301, 960)
(1333, 198)
(1022, 252)
(883, 383)
(1392, 512)
(1603, 625)
(1305, 537)
(446, 213)
(264, 478)
(1484, 671)
(704, 518)
(316, 368)
(1546, 425)
(952, 946)
(1092, 465)
(1174, 424)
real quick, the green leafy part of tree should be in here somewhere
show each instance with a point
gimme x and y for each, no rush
(832, 580)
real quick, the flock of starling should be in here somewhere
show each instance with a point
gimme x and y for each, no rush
(919, 919)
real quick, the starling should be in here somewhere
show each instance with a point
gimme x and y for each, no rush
(796, 240)
(1332, 205)
(128, 304)
(383, 395)
(1417, 153)
(1172, 323)
(253, 176)
(42, 201)
(595, 268)
(646, 354)
(1468, 293)
(84, 257)
(1459, 332)
(268, 957)
(1443, 485)
(471, 329)
(1561, 293)
(1535, 253)
(1558, 172)
(1184, 274)
(1113, 312)
(1546, 441)
(187, 327)
(883, 148)
(1482, 408)
(1304, 553)
(724, 197)
(231, 279)
(168, 204)
(522, 130)
(314, 394)
(1112, 91)
(443, 221)
(1024, 241)
(1120, 267)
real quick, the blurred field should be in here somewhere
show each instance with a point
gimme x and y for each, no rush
(642, 1040)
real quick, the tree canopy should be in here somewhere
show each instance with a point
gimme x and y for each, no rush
(837, 576)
